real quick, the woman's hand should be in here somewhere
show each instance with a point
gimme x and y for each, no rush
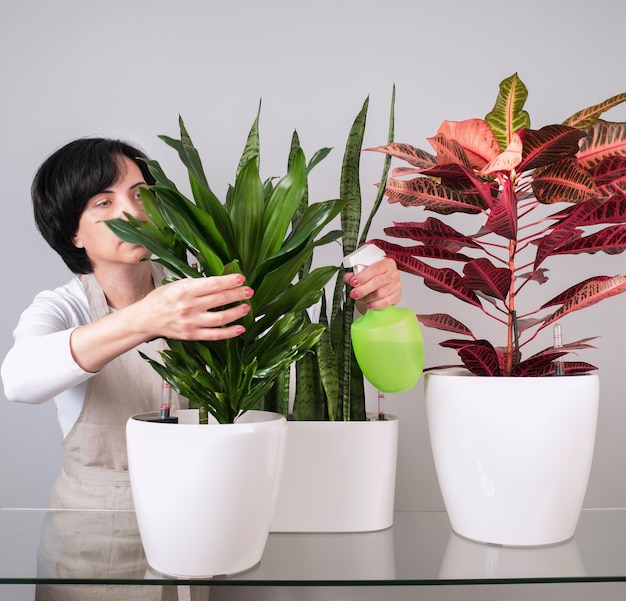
(377, 286)
(189, 309)
(193, 308)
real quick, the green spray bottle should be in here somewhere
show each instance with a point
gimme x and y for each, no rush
(388, 342)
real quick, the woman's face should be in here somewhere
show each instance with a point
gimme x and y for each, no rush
(102, 246)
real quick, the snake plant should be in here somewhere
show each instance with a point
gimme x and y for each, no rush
(260, 230)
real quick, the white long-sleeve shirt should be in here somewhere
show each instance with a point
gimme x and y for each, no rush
(40, 366)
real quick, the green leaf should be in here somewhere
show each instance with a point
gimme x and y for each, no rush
(252, 149)
(507, 115)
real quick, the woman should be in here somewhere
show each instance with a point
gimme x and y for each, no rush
(83, 337)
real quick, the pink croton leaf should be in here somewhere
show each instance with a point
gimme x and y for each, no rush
(442, 280)
(478, 356)
(442, 321)
(612, 210)
(506, 161)
(476, 137)
(524, 325)
(593, 291)
(604, 140)
(587, 117)
(483, 275)
(609, 175)
(563, 181)
(414, 156)
(610, 240)
(428, 193)
(502, 218)
(449, 151)
(547, 145)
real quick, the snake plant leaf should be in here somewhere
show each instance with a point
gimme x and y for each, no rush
(246, 214)
(350, 185)
(309, 391)
(507, 115)
(252, 148)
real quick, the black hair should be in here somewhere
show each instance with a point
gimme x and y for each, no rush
(67, 180)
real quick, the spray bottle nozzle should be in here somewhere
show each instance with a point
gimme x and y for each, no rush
(362, 257)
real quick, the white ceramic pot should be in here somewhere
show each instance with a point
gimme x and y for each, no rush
(204, 494)
(338, 476)
(512, 455)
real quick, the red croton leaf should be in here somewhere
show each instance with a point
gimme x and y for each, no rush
(564, 181)
(433, 232)
(591, 291)
(483, 275)
(476, 138)
(442, 280)
(478, 356)
(572, 291)
(547, 145)
(444, 322)
(610, 175)
(611, 240)
(569, 368)
(424, 252)
(541, 362)
(430, 194)
(503, 217)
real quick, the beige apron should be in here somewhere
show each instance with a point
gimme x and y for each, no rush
(95, 474)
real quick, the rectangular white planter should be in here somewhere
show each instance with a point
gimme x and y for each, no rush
(338, 476)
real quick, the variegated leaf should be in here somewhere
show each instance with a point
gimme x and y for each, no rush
(427, 193)
(605, 139)
(442, 321)
(593, 291)
(549, 144)
(414, 156)
(507, 160)
(587, 117)
(481, 274)
(479, 356)
(435, 232)
(475, 137)
(563, 181)
(449, 151)
(507, 115)
(611, 240)
(502, 218)
(442, 280)
(423, 251)
(609, 175)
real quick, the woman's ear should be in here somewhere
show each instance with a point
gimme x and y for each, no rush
(76, 241)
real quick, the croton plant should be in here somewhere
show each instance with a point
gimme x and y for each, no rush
(540, 194)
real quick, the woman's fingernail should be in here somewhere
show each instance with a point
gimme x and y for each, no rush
(354, 282)
(240, 279)
(354, 294)
(241, 330)
(248, 292)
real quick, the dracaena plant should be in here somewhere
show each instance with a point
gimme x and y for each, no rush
(257, 231)
(540, 194)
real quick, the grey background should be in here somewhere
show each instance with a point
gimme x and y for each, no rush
(128, 68)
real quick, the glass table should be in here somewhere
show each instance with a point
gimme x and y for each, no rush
(96, 547)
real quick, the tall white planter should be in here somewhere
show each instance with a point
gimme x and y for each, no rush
(204, 494)
(338, 476)
(512, 455)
